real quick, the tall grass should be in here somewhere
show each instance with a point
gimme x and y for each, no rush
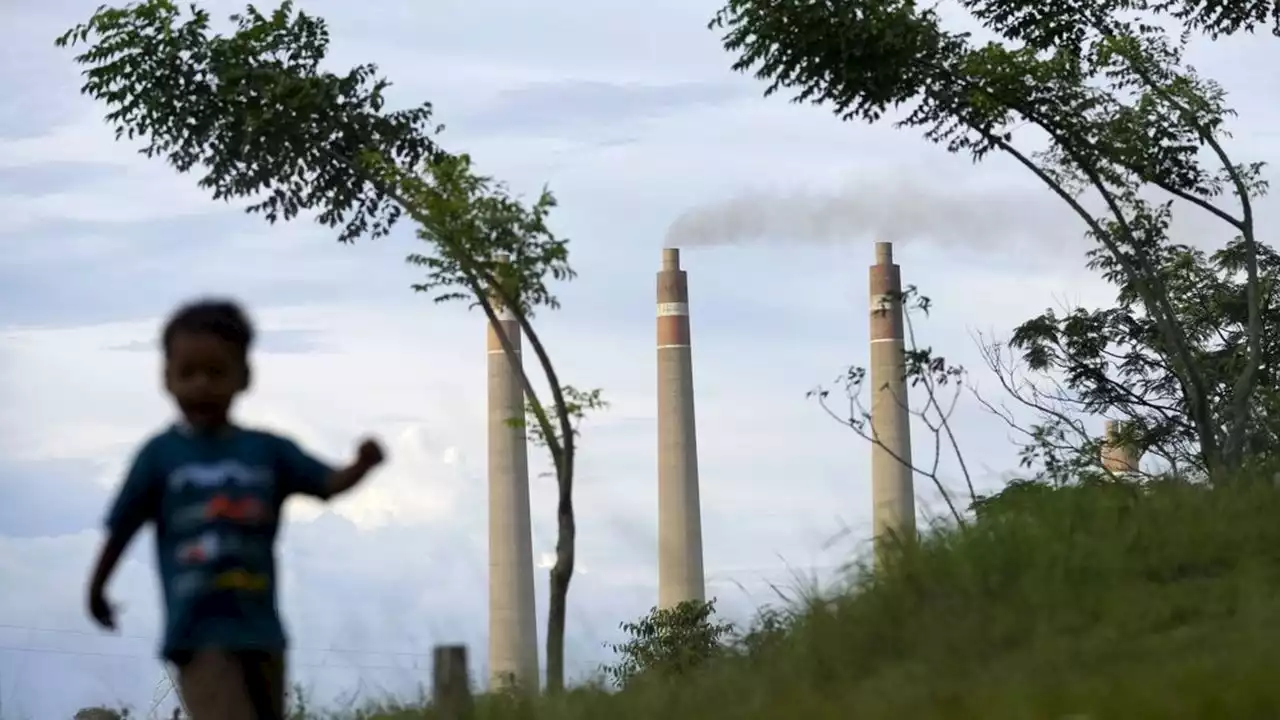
(1086, 602)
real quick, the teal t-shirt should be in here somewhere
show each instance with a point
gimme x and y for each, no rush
(215, 501)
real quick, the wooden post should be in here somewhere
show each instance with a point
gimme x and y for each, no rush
(451, 683)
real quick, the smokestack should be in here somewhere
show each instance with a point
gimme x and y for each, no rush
(1118, 456)
(513, 633)
(892, 491)
(680, 575)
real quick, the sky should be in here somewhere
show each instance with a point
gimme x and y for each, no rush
(629, 112)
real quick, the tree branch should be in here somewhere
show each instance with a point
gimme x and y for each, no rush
(1244, 384)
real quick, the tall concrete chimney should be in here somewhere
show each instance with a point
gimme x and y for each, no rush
(680, 576)
(513, 633)
(1118, 456)
(892, 487)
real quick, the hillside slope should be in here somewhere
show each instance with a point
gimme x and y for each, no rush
(1100, 602)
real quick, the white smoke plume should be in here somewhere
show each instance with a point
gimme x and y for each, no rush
(983, 220)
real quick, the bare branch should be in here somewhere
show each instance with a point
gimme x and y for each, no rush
(929, 373)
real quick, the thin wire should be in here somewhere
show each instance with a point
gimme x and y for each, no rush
(158, 696)
(150, 658)
(712, 577)
(173, 686)
(149, 638)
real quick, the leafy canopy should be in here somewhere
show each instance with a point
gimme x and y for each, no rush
(475, 228)
(1094, 99)
(253, 113)
(1113, 360)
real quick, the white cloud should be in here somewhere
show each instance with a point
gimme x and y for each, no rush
(128, 198)
(85, 138)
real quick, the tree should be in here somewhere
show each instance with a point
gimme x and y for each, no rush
(1067, 365)
(1102, 86)
(253, 115)
(668, 642)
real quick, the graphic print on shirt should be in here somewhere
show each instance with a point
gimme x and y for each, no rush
(249, 511)
(200, 550)
(227, 519)
(240, 580)
(220, 474)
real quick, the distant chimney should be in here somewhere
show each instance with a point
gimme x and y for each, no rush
(680, 573)
(892, 486)
(1119, 456)
(513, 633)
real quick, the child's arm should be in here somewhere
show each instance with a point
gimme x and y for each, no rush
(113, 546)
(308, 476)
(136, 503)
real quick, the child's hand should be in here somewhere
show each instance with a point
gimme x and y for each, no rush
(369, 455)
(101, 610)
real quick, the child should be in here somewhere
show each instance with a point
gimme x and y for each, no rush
(214, 491)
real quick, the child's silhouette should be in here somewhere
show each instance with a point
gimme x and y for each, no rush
(214, 492)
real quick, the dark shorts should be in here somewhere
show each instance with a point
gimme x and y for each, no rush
(232, 684)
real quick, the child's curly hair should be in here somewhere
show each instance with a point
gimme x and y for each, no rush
(224, 319)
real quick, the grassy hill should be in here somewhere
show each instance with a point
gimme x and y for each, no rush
(1088, 602)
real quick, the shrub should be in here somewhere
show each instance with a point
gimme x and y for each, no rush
(668, 642)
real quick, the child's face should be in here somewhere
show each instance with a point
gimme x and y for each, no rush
(204, 373)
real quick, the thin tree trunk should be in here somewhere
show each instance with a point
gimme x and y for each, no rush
(561, 575)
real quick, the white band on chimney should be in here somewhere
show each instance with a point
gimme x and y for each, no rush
(506, 314)
(669, 309)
